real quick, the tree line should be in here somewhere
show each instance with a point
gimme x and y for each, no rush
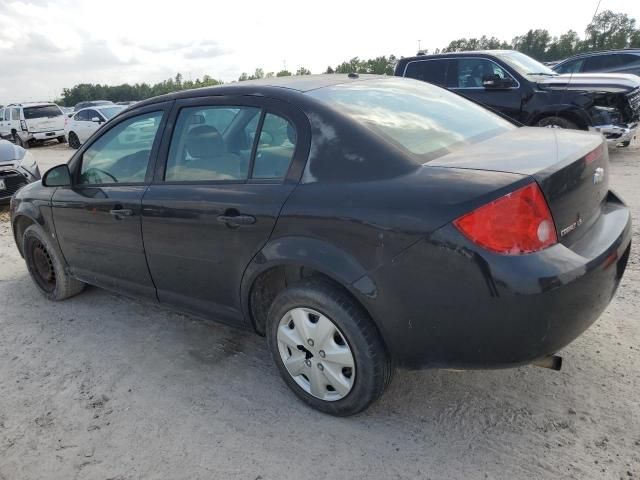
(607, 30)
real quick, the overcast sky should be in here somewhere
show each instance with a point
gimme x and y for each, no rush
(48, 45)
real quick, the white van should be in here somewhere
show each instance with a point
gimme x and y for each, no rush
(27, 123)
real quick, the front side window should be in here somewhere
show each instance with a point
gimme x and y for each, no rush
(45, 111)
(275, 149)
(212, 144)
(91, 114)
(424, 120)
(472, 72)
(121, 155)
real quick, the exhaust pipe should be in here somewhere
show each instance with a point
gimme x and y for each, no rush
(554, 362)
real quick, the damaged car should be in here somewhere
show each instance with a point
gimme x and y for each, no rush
(18, 167)
(358, 222)
(530, 93)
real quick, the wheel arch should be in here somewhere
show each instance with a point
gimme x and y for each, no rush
(286, 260)
(570, 112)
(27, 214)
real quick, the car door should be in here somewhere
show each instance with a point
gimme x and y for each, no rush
(215, 200)
(466, 76)
(85, 124)
(97, 219)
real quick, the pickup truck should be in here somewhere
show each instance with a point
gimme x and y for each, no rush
(530, 93)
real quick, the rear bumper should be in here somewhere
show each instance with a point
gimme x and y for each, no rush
(39, 136)
(446, 303)
(617, 133)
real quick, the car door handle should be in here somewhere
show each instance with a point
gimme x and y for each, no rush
(237, 219)
(121, 212)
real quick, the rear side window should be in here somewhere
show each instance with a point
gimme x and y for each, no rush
(45, 111)
(424, 120)
(432, 71)
(212, 144)
(15, 113)
(275, 148)
(121, 155)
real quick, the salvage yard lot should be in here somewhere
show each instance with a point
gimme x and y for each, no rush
(101, 386)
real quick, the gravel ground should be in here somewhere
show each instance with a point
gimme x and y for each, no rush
(104, 387)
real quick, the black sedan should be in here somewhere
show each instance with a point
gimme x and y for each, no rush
(17, 168)
(358, 222)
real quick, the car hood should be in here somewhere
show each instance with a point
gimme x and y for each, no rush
(600, 82)
(10, 153)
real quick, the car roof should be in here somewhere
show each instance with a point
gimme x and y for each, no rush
(265, 86)
(633, 51)
(30, 104)
(465, 53)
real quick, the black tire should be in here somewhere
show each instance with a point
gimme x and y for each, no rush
(62, 139)
(625, 144)
(557, 122)
(74, 141)
(373, 367)
(46, 267)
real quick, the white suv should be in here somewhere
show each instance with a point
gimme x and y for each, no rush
(27, 123)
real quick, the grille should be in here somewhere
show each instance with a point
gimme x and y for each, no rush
(13, 181)
(634, 100)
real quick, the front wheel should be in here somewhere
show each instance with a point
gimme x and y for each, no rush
(46, 267)
(557, 122)
(326, 347)
(74, 141)
(61, 139)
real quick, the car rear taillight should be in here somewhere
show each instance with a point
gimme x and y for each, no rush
(520, 222)
(23, 125)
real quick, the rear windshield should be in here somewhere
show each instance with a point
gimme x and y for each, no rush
(424, 120)
(46, 111)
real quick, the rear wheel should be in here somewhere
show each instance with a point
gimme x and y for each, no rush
(74, 141)
(557, 122)
(327, 348)
(46, 267)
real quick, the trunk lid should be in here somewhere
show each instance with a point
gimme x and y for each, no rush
(45, 118)
(571, 167)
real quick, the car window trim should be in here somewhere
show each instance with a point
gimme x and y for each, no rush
(75, 163)
(266, 105)
(404, 73)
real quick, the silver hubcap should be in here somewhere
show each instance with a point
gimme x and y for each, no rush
(316, 354)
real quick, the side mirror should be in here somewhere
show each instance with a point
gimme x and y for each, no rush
(59, 176)
(496, 81)
(96, 119)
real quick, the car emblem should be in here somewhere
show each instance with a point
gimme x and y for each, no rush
(598, 175)
(572, 227)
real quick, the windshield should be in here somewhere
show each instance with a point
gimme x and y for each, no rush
(425, 120)
(111, 111)
(524, 64)
(45, 111)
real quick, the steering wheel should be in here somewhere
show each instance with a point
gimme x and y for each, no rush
(92, 173)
